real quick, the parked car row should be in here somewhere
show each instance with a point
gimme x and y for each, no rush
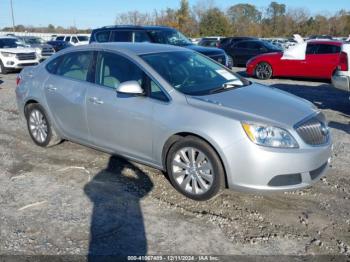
(17, 52)
(158, 35)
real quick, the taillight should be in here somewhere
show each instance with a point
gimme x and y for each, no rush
(18, 80)
(343, 62)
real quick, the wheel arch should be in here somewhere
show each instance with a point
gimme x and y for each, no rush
(28, 102)
(176, 137)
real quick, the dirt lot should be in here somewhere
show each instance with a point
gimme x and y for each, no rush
(74, 200)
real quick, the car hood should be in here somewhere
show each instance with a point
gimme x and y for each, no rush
(17, 50)
(257, 103)
(208, 51)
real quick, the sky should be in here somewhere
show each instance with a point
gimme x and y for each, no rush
(96, 13)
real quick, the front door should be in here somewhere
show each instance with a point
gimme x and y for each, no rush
(119, 123)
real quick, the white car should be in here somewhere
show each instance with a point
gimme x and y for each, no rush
(341, 78)
(14, 57)
(74, 39)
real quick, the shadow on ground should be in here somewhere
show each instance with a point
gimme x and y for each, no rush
(117, 226)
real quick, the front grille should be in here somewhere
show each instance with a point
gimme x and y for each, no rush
(47, 51)
(314, 131)
(219, 58)
(26, 56)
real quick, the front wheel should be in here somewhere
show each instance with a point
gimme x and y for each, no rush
(263, 71)
(194, 169)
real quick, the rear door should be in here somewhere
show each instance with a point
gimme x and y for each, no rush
(65, 91)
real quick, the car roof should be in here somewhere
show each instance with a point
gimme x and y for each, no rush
(134, 48)
(327, 42)
(7, 37)
(134, 27)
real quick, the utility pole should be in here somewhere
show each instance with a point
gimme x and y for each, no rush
(13, 17)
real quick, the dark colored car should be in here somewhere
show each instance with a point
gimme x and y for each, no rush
(243, 51)
(229, 41)
(59, 45)
(155, 34)
(210, 41)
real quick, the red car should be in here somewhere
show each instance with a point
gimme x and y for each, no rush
(313, 59)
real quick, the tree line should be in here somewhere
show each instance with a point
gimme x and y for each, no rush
(275, 20)
(206, 19)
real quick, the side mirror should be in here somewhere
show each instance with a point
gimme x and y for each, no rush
(130, 87)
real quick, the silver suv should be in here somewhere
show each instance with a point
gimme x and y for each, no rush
(176, 110)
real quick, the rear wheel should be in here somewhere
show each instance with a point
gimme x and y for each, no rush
(194, 169)
(263, 71)
(39, 127)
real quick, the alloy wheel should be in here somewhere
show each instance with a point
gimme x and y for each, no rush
(263, 71)
(38, 126)
(192, 170)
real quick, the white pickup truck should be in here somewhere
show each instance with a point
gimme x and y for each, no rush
(13, 56)
(341, 78)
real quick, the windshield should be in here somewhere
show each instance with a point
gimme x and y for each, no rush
(170, 37)
(192, 73)
(83, 38)
(8, 43)
(33, 41)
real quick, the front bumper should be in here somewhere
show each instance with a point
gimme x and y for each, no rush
(250, 167)
(15, 64)
(341, 82)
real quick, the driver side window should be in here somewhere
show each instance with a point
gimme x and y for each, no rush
(113, 69)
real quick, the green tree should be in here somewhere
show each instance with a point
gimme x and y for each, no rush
(214, 22)
(276, 18)
(246, 19)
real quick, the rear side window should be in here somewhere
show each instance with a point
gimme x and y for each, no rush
(253, 45)
(102, 37)
(121, 36)
(67, 39)
(129, 36)
(75, 65)
(328, 49)
(242, 45)
(60, 38)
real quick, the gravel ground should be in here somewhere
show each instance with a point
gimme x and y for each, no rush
(70, 199)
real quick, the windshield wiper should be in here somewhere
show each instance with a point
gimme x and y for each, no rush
(227, 86)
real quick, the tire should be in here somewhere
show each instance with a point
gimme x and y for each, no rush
(201, 180)
(3, 70)
(263, 71)
(39, 126)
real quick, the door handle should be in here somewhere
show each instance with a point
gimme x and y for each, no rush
(95, 100)
(51, 88)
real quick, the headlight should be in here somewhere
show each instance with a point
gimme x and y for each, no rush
(6, 54)
(270, 136)
(38, 51)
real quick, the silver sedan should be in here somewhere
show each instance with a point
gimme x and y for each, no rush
(179, 111)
